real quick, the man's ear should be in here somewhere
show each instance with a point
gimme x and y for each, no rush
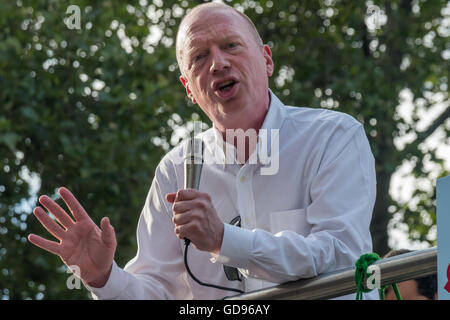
(188, 91)
(268, 57)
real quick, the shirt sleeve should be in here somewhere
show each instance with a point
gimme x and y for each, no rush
(343, 195)
(157, 271)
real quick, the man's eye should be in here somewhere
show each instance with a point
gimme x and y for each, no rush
(231, 45)
(199, 57)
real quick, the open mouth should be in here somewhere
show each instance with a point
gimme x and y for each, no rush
(226, 86)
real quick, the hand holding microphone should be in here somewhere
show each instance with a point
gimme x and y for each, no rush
(194, 215)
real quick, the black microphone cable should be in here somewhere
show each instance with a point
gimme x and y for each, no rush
(186, 246)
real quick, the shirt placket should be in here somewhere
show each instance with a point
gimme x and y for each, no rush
(246, 203)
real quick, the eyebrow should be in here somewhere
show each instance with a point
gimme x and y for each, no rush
(198, 47)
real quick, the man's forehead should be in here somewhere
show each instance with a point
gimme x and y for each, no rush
(218, 22)
(217, 33)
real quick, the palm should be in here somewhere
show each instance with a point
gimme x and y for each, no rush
(82, 243)
(85, 248)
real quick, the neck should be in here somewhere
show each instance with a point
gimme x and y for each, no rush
(247, 121)
(246, 132)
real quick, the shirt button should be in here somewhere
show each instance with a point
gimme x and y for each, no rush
(243, 179)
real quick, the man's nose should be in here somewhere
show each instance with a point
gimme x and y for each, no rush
(219, 62)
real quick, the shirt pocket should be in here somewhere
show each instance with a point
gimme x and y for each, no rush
(290, 220)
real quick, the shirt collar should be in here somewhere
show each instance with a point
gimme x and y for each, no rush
(273, 121)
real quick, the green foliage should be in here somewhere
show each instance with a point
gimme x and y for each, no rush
(80, 112)
(94, 109)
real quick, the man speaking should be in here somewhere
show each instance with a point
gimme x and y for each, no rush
(248, 229)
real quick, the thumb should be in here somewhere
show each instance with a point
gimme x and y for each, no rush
(171, 197)
(108, 234)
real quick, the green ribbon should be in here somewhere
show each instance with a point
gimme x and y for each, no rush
(361, 273)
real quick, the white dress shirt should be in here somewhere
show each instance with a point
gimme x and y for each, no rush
(312, 216)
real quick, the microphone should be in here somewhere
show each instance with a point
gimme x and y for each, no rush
(193, 164)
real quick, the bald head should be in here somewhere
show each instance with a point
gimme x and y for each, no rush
(198, 13)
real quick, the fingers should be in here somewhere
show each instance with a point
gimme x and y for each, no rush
(45, 244)
(59, 213)
(183, 218)
(179, 232)
(186, 194)
(171, 197)
(183, 206)
(183, 231)
(188, 204)
(48, 223)
(189, 194)
(108, 234)
(74, 206)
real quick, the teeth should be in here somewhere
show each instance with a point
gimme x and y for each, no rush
(226, 83)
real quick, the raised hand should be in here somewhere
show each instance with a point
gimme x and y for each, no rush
(81, 242)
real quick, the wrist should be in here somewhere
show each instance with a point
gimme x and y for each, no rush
(101, 281)
(216, 250)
